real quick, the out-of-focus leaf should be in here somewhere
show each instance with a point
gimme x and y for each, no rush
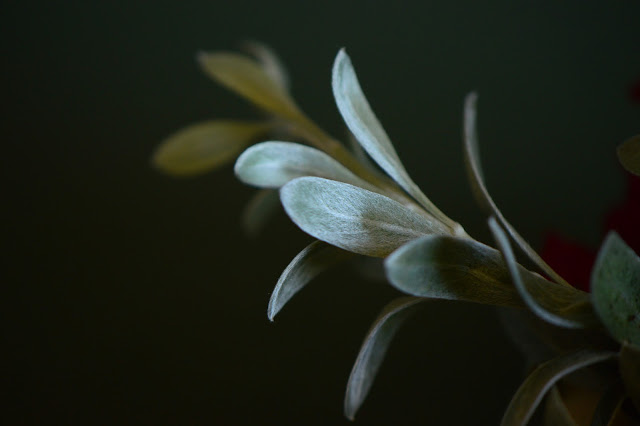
(259, 210)
(247, 78)
(569, 309)
(314, 259)
(204, 146)
(615, 287)
(446, 267)
(474, 172)
(353, 218)
(526, 400)
(273, 164)
(373, 350)
(630, 372)
(609, 404)
(364, 125)
(629, 155)
(269, 61)
(555, 411)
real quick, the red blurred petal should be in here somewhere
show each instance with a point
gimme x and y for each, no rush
(569, 259)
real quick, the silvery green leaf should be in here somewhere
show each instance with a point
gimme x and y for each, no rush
(615, 287)
(247, 78)
(353, 218)
(269, 61)
(609, 404)
(530, 393)
(563, 309)
(555, 410)
(364, 125)
(273, 164)
(629, 155)
(314, 259)
(474, 171)
(259, 210)
(204, 146)
(373, 350)
(630, 371)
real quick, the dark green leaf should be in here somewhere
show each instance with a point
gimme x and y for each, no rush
(373, 350)
(629, 155)
(615, 286)
(630, 372)
(531, 392)
(313, 260)
(562, 308)
(609, 404)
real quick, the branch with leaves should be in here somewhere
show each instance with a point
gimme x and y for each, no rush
(360, 200)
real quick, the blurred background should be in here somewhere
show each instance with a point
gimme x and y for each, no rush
(133, 298)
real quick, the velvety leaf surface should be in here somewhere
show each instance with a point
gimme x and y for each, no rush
(353, 218)
(373, 350)
(615, 287)
(272, 164)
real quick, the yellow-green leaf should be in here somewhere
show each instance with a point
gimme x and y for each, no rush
(202, 147)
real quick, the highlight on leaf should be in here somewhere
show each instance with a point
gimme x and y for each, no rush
(562, 309)
(373, 351)
(247, 78)
(474, 172)
(316, 258)
(366, 128)
(272, 164)
(615, 286)
(202, 147)
(353, 218)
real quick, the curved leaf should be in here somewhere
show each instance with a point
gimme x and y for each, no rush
(563, 310)
(474, 172)
(629, 155)
(273, 164)
(353, 218)
(373, 350)
(317, 257)
(204, 146)
(247, 78)
(364, 125)
(609, 404)
(453, 268)
(258, 210)
(269, 61)
(555, 410)
(615, 287)
(531, 392)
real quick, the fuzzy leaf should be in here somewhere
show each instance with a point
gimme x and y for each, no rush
(364, 125)
(373, 350)
(474, 172)
(353, 218)
(204, 146)
(629, 155)
(530, 393)
(630, 372)
(247, 78)
(273, 164)
(453, 268)
(317, 257)
(562, 309)
(259, 210)
(615, 286)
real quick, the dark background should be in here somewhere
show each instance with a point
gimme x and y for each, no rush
(133, 298)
